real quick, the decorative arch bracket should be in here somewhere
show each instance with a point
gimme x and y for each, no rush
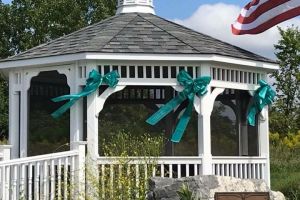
(207, 106)
(209, 99)
(104, 96)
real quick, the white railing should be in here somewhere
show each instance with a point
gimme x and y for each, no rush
(137, 171)
(173, 167)
(240, 167)
(49, 176)
(130, 2)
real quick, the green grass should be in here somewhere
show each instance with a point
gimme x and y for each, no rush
(285, 171)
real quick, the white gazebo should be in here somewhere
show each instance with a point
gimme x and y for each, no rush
(148, 52)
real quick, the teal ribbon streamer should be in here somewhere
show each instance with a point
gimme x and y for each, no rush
(263, 96)
(92, 84)
(192, 87)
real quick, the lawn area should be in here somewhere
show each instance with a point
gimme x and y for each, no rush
(285, 171)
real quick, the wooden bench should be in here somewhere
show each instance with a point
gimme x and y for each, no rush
(242, 196)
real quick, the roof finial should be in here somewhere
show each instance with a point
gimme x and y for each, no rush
(139, 6)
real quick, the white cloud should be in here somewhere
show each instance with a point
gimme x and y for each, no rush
(216, 19)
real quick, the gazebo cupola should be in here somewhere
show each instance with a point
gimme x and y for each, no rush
(139, 6)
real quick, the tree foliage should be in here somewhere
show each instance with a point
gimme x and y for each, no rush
(28, 23)
(286, 113)
(5, 30)
(38, 21)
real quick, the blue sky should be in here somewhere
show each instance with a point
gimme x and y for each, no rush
(214, 18)
(181, 9)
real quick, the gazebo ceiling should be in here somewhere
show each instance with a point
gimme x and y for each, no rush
(137, 33)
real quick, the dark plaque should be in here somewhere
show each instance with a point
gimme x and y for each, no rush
(242, 196)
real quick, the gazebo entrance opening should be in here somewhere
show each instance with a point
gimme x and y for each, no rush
(47, 135)
(129, 109)
(231, 135)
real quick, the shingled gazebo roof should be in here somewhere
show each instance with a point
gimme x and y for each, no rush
(137, 33)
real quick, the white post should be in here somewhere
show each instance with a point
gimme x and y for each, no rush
(264, 142)
(76, 111)
(26, 78)
(80, 170)
(14, 113)
(92, 120)
(5, 152)
(204, 133)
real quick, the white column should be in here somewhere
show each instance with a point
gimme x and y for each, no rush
(76, 111)
(204, 130)
(92, 120)
(24, 113)
(14, 113)
(204, 143)
(92, 125)
(80, 170)
(264, 150)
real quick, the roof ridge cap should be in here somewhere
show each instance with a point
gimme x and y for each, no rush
(169, 33)
(118, 31)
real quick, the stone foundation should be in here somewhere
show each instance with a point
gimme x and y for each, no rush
(205, 187)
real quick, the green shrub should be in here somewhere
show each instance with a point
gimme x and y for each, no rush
(285, 165)
(119, 181)
(185, 193)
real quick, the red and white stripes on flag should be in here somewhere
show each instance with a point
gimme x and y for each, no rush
(260, 15)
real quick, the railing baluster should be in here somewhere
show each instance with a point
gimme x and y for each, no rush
(120, 174)
(37, 181)
(152, 72)
(22, 181)
(52, 180)
(195, 169)
(162, 170)
(3, 178)
(14, 182)
(45, 180)
(263, 171)
(187, 170)
(179, 170)
(170, 170)
(240, 171)
(72, 178)
(66, 164)
(136, 75)
(111, 176)
(102, 180)
(169, 72)
(146, 175)
(254, 171)
(137, 180)
(30, 181)
(59, 179)
(250, 171)
(153, 171)
(222, 169)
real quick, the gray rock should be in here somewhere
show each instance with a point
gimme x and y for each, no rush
(205, 187)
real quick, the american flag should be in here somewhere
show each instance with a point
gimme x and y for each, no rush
(260, 15)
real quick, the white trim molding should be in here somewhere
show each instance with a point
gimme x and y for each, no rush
(136, 57)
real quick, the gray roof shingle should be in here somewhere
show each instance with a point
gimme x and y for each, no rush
(137, 33)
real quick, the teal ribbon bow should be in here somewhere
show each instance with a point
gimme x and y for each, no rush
(263, 96)
(192, 87)
(92, 84)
